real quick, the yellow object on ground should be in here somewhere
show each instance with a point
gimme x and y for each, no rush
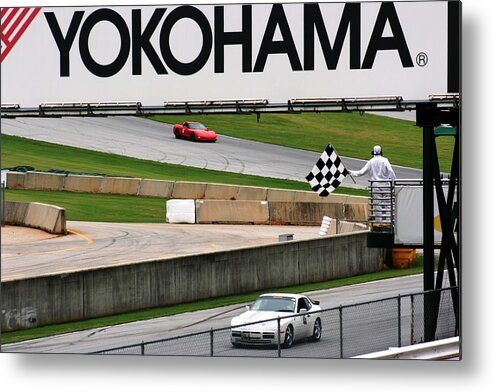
(403, 257)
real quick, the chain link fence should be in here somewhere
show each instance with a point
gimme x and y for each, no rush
(347, 331)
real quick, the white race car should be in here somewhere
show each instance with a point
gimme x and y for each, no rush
(299, 319)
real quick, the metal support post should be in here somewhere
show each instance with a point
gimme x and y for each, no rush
(412, 320)
(427, 117)
(340, 332)
(399, 316)
(212, 342)
(278, 337)
(428, 232)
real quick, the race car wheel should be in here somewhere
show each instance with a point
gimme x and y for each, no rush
(317, 330)
(288, 337)
(192, 136)
(177, 134)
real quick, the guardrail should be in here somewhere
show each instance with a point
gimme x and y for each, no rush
(350, 331)
(241, 105)
(438, 350)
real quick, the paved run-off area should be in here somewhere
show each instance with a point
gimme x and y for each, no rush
(28, 252)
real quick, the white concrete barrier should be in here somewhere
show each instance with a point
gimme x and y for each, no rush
(4, 178)
(180, 211)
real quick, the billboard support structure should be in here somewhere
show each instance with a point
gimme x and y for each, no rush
(429, 117)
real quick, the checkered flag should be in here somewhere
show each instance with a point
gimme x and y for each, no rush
(328, 172)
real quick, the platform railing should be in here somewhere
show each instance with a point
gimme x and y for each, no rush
(381, 211)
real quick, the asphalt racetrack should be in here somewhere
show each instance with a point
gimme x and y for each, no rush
(151, 140)
(202, 321)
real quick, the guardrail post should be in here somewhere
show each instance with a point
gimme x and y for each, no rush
(399, 314)
(212, 342)
(340, 332)
(142, 345)
(278, 337)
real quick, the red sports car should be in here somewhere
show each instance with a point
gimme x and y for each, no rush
(194, 131)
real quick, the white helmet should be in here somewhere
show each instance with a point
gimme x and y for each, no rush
(377, 150)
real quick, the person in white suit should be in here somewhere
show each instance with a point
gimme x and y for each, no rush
(378, 168)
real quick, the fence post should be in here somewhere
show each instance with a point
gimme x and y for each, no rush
(278, 337)
(399, 314)
(142, 348)
(2, 195)
(340, 332)
(212, 342)
(412, 319)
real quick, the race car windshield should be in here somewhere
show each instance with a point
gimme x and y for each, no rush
(274, 304)
(196, 126)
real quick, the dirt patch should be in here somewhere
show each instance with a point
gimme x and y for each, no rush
(18, 234)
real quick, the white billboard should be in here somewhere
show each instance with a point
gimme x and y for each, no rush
(408, 228)
(277, 52)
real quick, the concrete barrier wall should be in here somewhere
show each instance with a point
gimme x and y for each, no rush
(156, 188)
(306, 214)
(275, 213)
(15, 180)
(355, 212)
(188, 190)
(51, 182)
(228, 211)
(251, 193)
(89, 184)
(221, 192)
(15, 213)
(167, 189)
(284, 206)
(120, 185)
(350, 227)
(37, 215)
(107, 291)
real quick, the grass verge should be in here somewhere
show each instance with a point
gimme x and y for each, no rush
(40, 332)
(17, 151)
(93, 207)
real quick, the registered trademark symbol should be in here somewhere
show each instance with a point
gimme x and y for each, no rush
(422, 59)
